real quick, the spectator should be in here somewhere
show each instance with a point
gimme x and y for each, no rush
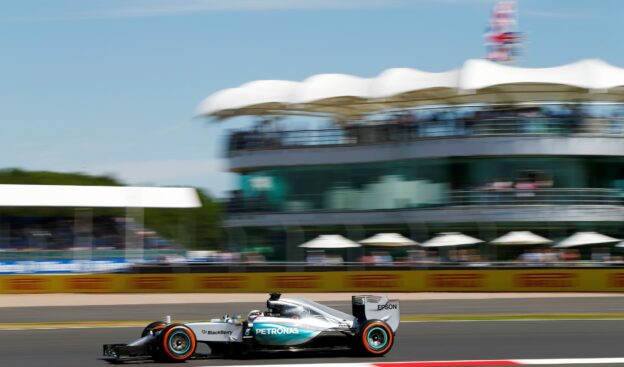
(525, 190)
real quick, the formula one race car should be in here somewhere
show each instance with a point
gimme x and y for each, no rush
(288, 325)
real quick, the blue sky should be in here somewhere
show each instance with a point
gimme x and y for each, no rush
(110, 86)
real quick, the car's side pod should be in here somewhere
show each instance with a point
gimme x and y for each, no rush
(368, 307)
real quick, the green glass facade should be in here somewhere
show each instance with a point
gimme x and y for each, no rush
(417, 183)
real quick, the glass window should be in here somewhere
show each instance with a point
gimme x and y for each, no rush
(416, 183)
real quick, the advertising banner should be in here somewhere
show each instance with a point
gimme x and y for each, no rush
(64, 266)
(513, 280)
(221, 283)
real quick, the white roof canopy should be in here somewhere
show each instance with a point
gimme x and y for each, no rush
(98, 196)
(521, 238)
(329, 241)
(477, 81)
(450, 239)
(586, 238)
(388, 240)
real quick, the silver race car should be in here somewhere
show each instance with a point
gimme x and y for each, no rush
(294, 324)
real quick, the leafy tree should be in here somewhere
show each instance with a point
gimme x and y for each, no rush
(196, 228)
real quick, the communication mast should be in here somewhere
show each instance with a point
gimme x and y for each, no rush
(502, 39)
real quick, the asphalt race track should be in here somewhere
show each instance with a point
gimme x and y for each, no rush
(415, 341)
(215, 310)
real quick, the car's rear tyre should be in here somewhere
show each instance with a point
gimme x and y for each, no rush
(374, 338)
(153, 327)
(176, 343)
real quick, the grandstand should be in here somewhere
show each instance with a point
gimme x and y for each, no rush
(483, 149)
(84, 242)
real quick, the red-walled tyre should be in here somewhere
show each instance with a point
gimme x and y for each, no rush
(374, 338)
(176, 343)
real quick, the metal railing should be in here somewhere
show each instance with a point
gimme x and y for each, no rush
(394, 132)
(238, 267)
(537, 197)
(454, 198)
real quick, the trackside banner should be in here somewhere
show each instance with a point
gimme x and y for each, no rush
(549, 280)
(62, 266)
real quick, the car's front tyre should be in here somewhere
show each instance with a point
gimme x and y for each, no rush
(176, 343)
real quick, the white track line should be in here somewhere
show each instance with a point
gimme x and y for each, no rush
(501, 362)
(565, 361)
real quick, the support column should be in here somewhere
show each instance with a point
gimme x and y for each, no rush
(83, 234)
(294, 254)
(6, 232)
(355, 233)
(486, 232)
(419, 232)
(134, 242)
(235, 237)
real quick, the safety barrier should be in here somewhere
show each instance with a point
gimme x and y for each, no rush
(536, 280)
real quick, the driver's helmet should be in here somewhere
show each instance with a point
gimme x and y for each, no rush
(281, 309)
(254, 314)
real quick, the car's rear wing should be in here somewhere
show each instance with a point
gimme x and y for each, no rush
(376, 308)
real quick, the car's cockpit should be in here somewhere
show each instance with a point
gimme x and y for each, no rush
(283, 308)
(299, 308)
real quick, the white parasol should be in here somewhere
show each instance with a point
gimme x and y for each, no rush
(520, 238)
(388, 240)
(586, 238)
(449, 239)
(330, 241)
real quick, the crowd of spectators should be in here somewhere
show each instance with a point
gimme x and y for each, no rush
(537, 256)
(416, 124)
(51, 233)
(468, 256)
(522, 189)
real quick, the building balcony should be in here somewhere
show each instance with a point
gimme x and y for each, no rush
(459, 206)
(435, 139)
